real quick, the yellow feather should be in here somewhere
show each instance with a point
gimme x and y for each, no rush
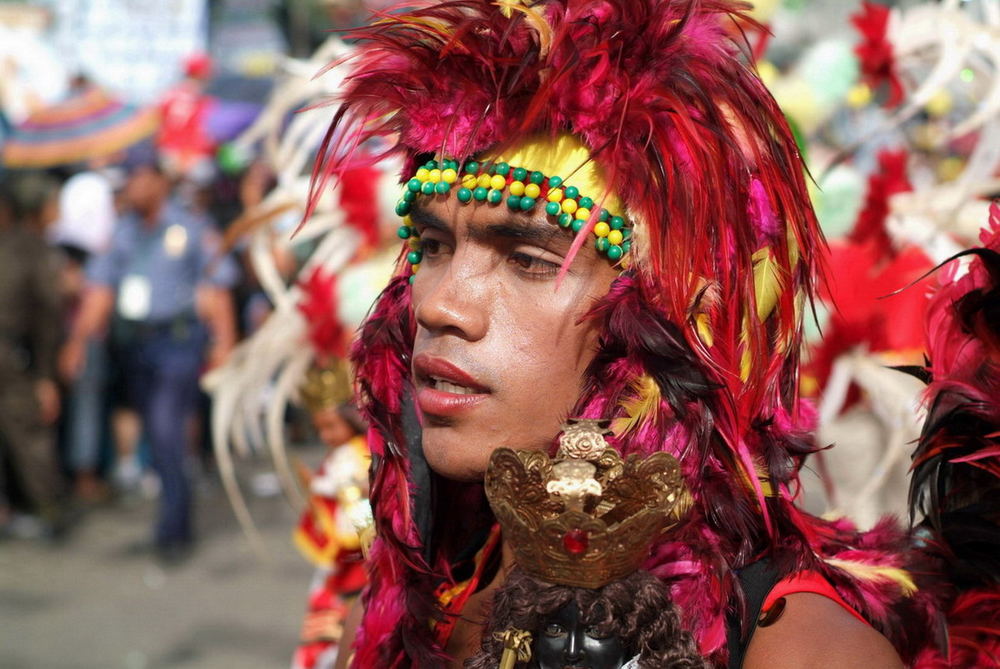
(640, 407)
(768, 282)
(534, 19)
(703, 322)
(871, 572)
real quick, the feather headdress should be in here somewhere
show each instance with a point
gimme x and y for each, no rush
(700, 344)
(955, 484)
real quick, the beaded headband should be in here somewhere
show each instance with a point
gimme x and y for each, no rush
(488, 182)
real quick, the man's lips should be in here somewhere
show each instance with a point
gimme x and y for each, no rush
(444, 389)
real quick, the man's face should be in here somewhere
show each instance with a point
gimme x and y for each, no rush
(500, 353)
(145, 189)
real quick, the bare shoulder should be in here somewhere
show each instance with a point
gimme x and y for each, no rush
(814, 631)
(350, 630)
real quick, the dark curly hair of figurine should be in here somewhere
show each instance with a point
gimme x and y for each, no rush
(636, 609)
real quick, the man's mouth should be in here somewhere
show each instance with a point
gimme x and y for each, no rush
(447, 386)
(442, 375)
(445, 390)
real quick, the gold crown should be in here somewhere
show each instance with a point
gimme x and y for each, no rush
(587, 517)
(327, 386)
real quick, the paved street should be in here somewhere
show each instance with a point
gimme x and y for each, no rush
(96, 602)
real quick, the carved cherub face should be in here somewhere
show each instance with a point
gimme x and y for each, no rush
(564, 640)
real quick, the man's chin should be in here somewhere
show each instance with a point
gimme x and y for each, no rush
(452, 457)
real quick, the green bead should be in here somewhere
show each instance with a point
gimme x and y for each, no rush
(494, 196)
(626, 245)
(464, 194)
(414, 257)
(520, 174)
(527, 203)
(602, 244)
(409, 196)
(553, 209)
(413, 185)
(502, 169)
(577, 224)
(472, 167)
(404, 232)
(626, 232)
(536, 178)
(615, 252)
(586, 203)
(412, 278)
(402, 208)
(427, 188)
(450, 165)
(479, 194)
(565, 220)
(555, 182)
(617, 222)
(514, 202)
(571, 192)
(603, 216)
(431, 165)
(442, 187)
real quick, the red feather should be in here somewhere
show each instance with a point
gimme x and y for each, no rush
(878, 63)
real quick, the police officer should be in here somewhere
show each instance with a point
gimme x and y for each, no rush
(160, 284)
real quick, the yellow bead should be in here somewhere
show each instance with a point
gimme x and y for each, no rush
(497, 182)
(555, 195)
(602, 229)
(569, 206)
(517, 188)
(449, 176)
(415, 267)
(532, 190)
(435, 176)
(470, 181)
(414, 243)
(582, 214)
(484, 181)
(423, 174)
(615, 237)
(407, 220)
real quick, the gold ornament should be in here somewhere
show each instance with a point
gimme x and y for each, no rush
(584, 522)
(583, 438)
(327, 387)
(516, 647)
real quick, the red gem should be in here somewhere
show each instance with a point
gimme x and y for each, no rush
(575, 542)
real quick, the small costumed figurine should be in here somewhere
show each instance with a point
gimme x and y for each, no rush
(332, 530)
(578, 527)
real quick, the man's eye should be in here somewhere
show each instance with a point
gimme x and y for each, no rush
(554, 630)
(529, 264)
(430, 247)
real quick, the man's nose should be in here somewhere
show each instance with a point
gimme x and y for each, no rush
(574, 646)
(452, 300)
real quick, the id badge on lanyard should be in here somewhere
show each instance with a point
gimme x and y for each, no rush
(135, 297)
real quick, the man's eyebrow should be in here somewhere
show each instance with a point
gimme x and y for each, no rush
(426, 219)
(522, 231)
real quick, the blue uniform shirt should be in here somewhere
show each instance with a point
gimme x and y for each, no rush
(156, 269)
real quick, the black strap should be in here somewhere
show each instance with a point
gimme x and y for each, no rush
(757, 579)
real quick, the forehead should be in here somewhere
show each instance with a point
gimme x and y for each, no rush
(481, 222)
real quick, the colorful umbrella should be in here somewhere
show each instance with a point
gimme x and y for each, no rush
(87, 125)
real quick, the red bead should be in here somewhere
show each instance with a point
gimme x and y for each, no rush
(575, 542)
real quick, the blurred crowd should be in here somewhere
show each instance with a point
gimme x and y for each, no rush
(118, 293)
